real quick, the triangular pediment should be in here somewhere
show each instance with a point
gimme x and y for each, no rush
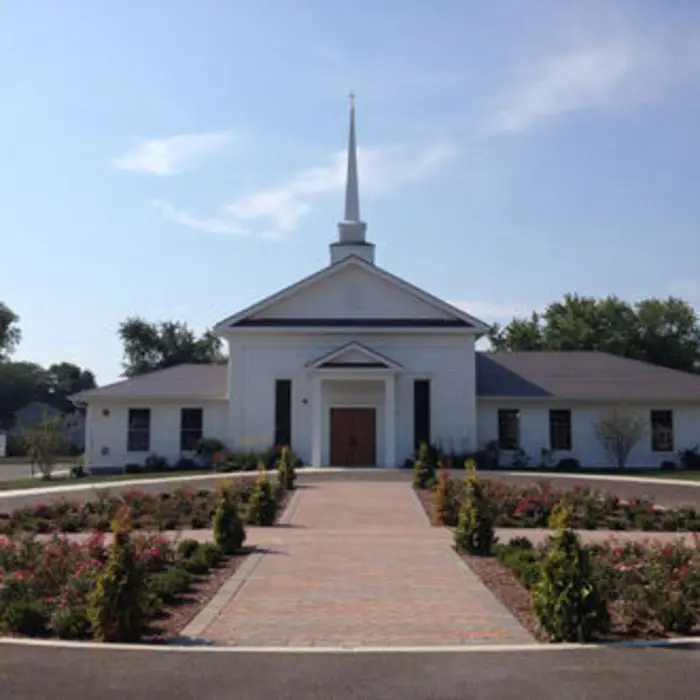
(352, 293)
(353, 355)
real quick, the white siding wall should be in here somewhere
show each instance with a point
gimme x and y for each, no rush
(257, 361)
(110, 431)
(534, 431)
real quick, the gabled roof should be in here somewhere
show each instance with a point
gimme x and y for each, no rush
(190, 382)
(457, 316)
(359, 356)
(594, 376)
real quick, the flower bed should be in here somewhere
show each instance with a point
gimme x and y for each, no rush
(651, 591)
(45, 585)
(180, 509)
(532, 505)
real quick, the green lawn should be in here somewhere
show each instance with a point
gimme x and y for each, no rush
(21, 461)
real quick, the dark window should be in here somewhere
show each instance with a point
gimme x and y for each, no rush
(662, 431)
(560, 429)
(508, 429)
(190, 428)
(139, 432)
(283, 412)
(421, 412)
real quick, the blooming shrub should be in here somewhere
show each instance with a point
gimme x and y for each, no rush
(183, 508)
(58, 586)
(651, 590)
(532, 505)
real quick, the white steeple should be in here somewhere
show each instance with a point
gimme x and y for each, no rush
(351, 231)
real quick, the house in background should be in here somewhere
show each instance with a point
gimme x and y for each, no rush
(31, 415)
(354, 366)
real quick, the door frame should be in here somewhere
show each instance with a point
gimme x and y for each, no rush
(350, 407)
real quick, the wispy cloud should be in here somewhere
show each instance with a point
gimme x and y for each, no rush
(212, 225)
(381, 169)
(271, 212)
(588, 78)
(172, 155)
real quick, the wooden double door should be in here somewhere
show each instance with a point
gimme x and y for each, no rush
(353, 437)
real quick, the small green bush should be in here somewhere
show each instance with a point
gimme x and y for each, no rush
(211, 553)
(285, 469)
(167, 585)
(475, 526)
(424, 468)
(23, 616)
(446, 499)
(566, 599)
(186, 548)
(523, 561)
(71, 622)
(262, 508)
(567, 464)
(229, 531)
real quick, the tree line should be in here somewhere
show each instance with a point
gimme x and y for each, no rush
(146, 346)
(659, 331)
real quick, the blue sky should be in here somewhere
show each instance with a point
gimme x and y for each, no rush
(181, 160)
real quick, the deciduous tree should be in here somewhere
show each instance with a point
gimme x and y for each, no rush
(152, 346)
(660, 331)
(618, 431)
(10, 333)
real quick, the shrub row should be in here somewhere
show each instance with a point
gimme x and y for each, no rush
(532, 506)
(80, 590)
(257, 499)
(652, 588)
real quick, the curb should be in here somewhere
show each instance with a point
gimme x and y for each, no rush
(199, 645)
(105, 486)
(597, 477)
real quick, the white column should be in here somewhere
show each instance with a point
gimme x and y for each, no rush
(316, 422)
(390, 422)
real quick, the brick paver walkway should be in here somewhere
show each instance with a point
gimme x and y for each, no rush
(358, 565)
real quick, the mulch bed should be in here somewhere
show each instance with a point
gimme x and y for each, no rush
(507, 590)
(427, 500)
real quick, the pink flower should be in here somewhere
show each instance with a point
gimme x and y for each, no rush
(19, 575)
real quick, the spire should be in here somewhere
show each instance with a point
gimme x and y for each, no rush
(352, 190)
(351, 231)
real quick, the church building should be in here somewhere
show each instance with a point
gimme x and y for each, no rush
(354, 366)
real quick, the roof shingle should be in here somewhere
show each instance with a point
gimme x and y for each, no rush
(580, 375)
(182, 381)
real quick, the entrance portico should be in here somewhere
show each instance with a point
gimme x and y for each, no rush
(353, 377)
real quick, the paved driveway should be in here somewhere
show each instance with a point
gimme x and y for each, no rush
(358, 564)
(36, 673)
